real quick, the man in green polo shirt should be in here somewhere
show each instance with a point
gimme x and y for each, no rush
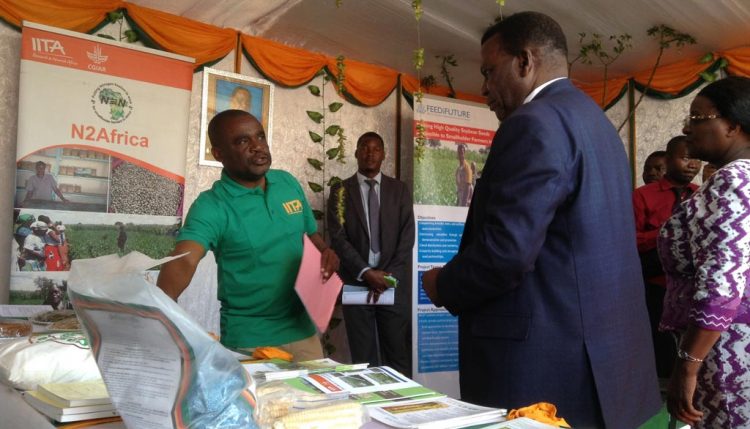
(252, 219)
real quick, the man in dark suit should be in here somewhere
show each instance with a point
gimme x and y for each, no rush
(371, 224)
(546, 283)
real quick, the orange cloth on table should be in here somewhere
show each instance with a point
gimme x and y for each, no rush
(271, 353)
(543, 412)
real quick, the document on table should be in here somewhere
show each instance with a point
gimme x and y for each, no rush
(318, 296)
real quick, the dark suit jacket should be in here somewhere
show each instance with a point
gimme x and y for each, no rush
(547, 282)
(351, 241)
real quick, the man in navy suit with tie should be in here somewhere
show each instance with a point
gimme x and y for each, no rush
(547, 283)
(371, 224)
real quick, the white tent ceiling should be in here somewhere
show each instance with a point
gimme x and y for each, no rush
(384, 32)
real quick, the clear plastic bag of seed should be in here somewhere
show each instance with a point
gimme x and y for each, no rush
(160, 367)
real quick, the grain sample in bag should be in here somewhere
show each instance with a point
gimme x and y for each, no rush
(161, 369)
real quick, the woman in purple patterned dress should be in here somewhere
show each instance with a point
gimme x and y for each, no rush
(705, 250)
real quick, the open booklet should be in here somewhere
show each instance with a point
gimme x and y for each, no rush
(366, 386)
(435, 413)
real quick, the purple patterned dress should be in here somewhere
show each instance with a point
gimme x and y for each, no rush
(705, 251)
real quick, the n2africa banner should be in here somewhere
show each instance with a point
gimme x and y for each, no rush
(459, 135)
(102, 136)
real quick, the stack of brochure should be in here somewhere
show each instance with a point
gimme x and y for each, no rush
(435, 413)
(70, 402)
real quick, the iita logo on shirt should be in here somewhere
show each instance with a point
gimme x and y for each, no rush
(293, 207)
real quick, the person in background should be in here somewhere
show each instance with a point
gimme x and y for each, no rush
(241, 99)
(708, 170)
(546, 283)
(64, 247)
(54, 260)
(253, 219)
(464, 177)
(23, 230)
(655, 166)
(705, 250)
(54, 298)
(367, 261)
(33, 248)
(42, 185)
(122, 237)
(653, 205)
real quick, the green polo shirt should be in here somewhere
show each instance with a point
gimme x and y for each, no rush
(256, 237)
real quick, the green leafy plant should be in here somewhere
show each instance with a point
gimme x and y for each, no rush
(418, 60)
(595, 51)
(500, 4)
(118, 17)
(446, 61)
(341, 205)
(710, 76)
(336, 152)
(667, 37)
(341, 74)
(418, 11)
(421, 140)
(428, 82)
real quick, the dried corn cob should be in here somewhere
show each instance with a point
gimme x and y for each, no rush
(343, 415)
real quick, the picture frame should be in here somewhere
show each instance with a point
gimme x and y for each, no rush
(224, 90)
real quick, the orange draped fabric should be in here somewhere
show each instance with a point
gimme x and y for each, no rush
(281, 63)
(75, 15)
(673, 78)
(411, 85)
(206, 43)
(368, 84)
(596, 90)
(739, 61)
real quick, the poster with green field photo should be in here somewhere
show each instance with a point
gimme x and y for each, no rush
(50, 240)
(448, 173)
(46, 242)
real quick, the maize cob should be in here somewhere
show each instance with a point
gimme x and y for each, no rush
(343, 415)
(269, 411)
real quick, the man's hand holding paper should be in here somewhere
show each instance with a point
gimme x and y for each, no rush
(317, 284)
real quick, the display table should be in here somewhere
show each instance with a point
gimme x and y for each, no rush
(16, 413)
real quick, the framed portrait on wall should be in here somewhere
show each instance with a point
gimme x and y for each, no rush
(225, 90)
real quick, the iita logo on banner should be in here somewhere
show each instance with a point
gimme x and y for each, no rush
(111, 103)
(51, 50)
(48, 46)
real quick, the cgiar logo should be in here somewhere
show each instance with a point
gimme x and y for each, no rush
(111, 103)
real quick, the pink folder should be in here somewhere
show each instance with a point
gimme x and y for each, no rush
(318, 297)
